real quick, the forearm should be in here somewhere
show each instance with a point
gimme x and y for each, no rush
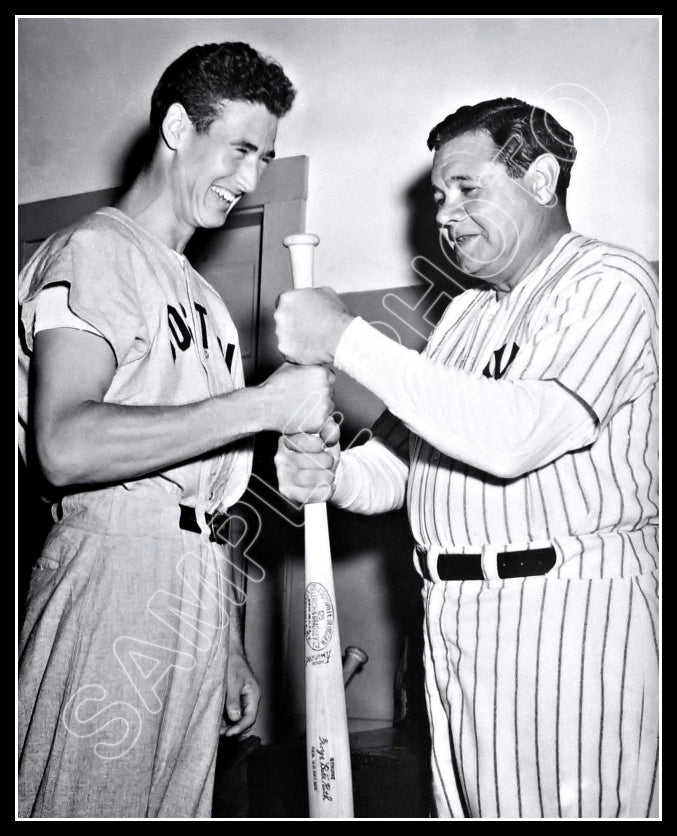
(96, 442)
(501, 427)
(236, 579)
(370, 480)
(236, 601)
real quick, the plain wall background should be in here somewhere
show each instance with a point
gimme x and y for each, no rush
(369, 90)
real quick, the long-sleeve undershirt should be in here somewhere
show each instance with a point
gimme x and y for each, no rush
(503, 427)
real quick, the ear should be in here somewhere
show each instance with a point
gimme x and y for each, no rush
(543, 174)
(175, 125)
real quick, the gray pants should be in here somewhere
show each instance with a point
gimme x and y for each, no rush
(122, 663)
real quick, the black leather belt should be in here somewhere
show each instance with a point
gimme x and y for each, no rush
(218, 523)
(468, 567)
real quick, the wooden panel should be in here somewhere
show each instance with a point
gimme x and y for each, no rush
(284, 179)
(280, 219)
(229, 259)
(43, 217)
(26, 250)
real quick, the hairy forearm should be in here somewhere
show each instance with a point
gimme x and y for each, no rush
(93, 442)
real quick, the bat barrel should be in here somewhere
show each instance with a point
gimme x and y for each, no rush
(330, 789)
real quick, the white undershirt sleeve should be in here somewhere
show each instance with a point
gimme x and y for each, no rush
(370, 479)
(52, 311)
(503, 427)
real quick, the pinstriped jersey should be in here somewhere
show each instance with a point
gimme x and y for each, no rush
(173, 338)
(586, 317)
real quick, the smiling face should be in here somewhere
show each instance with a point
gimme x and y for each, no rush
(211, 171)
(491, 221)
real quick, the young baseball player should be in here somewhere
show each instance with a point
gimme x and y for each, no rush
(530, 479)
(133, 404)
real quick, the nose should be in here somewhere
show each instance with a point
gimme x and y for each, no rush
(450, 211)
(248, 174)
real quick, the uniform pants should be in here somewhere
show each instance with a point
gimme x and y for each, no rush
(542, 696)
(122, 663)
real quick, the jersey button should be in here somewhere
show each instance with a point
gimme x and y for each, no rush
(436, 457)
(206, 354)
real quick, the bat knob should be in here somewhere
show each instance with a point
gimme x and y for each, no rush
(353, 658)
(358, 653)
(302, 238)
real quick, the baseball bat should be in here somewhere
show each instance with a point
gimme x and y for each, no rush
(330, 785)
(353, 658)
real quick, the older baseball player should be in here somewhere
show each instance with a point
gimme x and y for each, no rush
(530, 479)
(138, 412)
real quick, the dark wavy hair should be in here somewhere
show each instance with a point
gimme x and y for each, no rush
(205, 76)
(521, 131)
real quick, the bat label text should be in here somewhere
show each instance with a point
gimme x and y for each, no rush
(319, 658)
(319, 616)
(327, 773)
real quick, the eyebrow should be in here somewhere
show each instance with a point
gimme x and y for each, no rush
(251, 147)
(458, 178)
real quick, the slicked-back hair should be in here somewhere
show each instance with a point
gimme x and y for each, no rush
(519, 130)
(206, 76)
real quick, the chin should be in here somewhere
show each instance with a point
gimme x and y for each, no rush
(469, 268)
(212, 217)
(214, 221)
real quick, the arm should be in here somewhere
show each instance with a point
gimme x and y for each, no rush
(80, 439)
(504, 428)
(243, 693)
(370, 479)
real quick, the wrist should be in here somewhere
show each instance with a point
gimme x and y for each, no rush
(344, 319)
(343, 488)
(267, 408)
(234, 634)
(241, 413)
(349, 342)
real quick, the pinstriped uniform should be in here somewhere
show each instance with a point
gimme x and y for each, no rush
(542, 691)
